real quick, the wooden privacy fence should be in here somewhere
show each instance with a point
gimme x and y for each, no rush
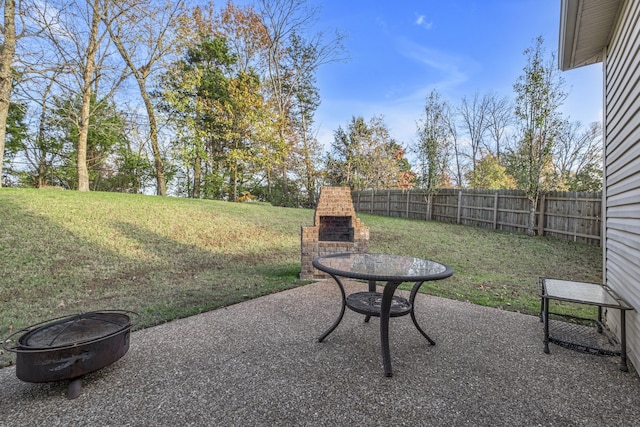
(573, 216)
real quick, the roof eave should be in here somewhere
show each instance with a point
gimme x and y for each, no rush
(575, 16)
(567, 31)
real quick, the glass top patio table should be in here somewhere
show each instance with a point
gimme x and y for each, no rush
(393, 269)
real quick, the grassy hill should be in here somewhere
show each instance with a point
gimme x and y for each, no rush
(64, 252)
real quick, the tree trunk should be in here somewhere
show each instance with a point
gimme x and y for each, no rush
(234, 196)
(83, 133)
(85, 110)
(531, 223)
(161, 185)
(311, 182)
(42, 167)
(197, 177)
(7, 53)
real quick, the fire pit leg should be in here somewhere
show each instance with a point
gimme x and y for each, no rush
(75, 388)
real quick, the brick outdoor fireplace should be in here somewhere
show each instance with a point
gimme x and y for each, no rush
(335, 229)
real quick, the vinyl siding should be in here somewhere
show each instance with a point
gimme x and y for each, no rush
(622, 171)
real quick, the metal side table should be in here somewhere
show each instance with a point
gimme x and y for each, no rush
(593, 294)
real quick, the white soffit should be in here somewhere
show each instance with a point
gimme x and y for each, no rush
(585, 30)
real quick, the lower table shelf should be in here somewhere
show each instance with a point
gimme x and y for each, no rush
(368, 303)
(583, 335)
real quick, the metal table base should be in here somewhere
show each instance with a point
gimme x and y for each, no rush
(384, 305)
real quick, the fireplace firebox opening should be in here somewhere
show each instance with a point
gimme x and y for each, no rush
(335, 229)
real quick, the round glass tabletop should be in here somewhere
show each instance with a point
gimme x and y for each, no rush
(382, 267)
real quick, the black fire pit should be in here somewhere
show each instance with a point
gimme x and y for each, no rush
(67, 348)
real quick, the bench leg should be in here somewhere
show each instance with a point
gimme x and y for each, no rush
(623, 341)
(545, 318)
(599, 319)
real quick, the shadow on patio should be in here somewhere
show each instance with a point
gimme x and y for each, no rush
(259, 363)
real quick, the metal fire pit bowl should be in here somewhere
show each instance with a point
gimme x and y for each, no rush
(67, 348)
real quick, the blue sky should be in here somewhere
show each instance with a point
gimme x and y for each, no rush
(400, 50)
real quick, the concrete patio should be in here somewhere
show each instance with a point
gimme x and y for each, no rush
(258, 363)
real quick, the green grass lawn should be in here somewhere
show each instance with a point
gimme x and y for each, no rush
(64, 252)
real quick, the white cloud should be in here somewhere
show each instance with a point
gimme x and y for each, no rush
(452, 70)
(422, 22)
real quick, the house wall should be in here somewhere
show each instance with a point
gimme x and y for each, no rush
(622, 170)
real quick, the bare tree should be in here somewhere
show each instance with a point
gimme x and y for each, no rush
(577, 156)
(39, 152)
(285, 21)
(306, 150)
(36, 69)
(450, 118)
(79, 39)
(281, 19)
(474, 115)
(141, 31)
(499, 117)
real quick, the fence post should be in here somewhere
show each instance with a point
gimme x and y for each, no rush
(459, 206)
(495, 210)
(408, 197)
(373, 194)
(541, 216)
(388, 202)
